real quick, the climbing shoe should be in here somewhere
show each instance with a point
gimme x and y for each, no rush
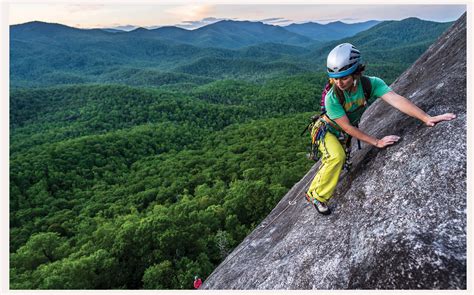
(320, 206)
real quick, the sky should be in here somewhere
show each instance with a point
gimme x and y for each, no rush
(194, 14)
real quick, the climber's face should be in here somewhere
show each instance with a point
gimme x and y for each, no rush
(344, 83)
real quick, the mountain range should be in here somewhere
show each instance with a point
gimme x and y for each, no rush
(331, 31)
(47, 54)
(222, 34)
(316, 31)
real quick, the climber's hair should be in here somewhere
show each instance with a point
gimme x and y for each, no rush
(358, 72)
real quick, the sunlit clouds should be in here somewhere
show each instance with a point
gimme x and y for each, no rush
(191, 12)
(193, 24)
(130, 15)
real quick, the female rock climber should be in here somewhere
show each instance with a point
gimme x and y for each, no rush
(344, 104)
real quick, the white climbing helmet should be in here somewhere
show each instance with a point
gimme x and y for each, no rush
(342, 60)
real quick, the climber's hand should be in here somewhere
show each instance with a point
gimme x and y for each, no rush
(431, 121)
(386, 141)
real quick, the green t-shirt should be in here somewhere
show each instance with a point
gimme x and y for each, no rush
(354, 101)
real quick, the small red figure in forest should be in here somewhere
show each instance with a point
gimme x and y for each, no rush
(197, 282)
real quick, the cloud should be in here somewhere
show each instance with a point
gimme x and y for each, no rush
(197, 15)
(193, 11)
(347, 20)
(194, 24)
(329, 20)
(126, 28)
(210, 19)
(273, 19)
(276, 21)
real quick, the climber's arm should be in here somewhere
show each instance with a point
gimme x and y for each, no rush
(345, 124)
(404, 105)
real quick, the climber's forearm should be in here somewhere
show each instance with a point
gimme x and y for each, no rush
(353, 131)
(404, 105)
(360, 135)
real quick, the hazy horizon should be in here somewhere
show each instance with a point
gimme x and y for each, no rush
(131, 27)
(192, 16)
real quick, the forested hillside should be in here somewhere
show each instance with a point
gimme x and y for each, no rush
(138, 162)
(331, 31)
(50, 54)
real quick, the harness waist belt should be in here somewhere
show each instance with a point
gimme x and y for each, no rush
(330, 122)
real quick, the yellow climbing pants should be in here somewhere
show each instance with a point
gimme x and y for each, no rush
(332, 161)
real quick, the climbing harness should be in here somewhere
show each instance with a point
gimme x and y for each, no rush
(320, 124)
(318, 129)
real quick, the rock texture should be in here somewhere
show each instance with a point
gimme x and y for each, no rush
(399, 216)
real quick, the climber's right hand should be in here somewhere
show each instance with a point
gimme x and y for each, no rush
(386, 141)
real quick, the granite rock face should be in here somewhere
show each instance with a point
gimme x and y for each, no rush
(399, 216)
